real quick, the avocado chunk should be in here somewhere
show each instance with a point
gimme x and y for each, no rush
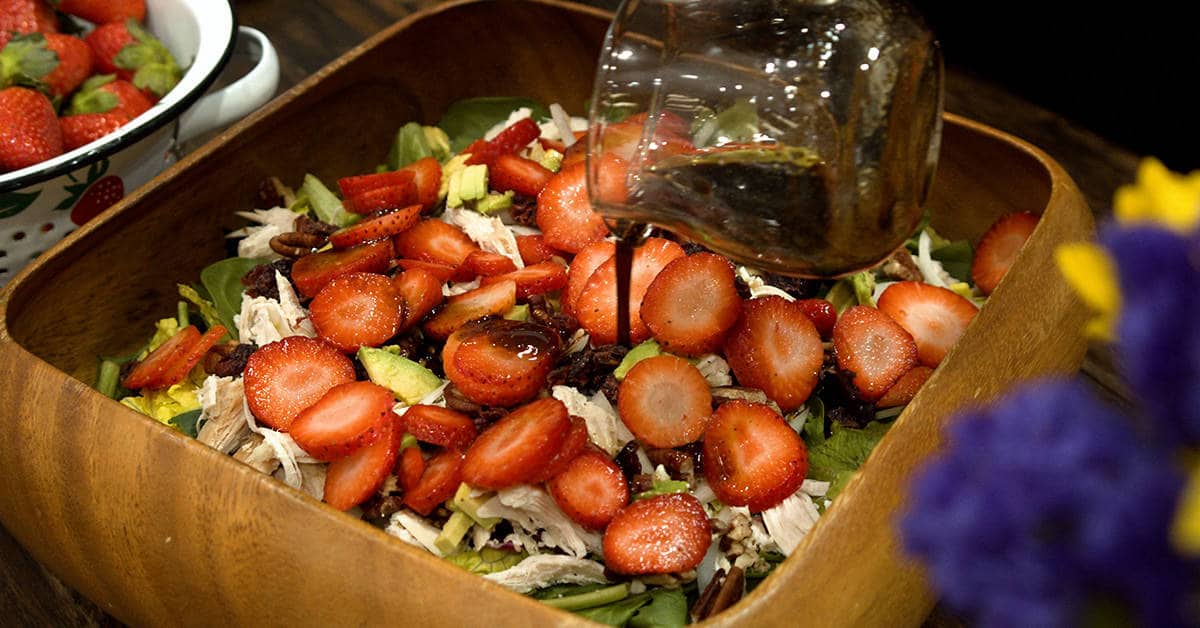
(409, 381)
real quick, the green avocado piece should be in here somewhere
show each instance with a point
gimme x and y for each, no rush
(409, 381)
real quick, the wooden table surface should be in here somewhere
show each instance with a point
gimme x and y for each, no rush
(307, 35)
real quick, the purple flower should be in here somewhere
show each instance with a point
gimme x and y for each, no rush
(1040, 504)
(1158, 332)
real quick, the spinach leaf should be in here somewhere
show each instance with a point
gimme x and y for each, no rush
(186, 422)
(667, 607)
(223, 282)
(955, 257)
(467, 120)
(618, 613)
(564, 590)
(836, 458)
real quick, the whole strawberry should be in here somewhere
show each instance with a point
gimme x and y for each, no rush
(104, 11)
(26, 60)
(128, 50)
(85, 128)
(25, 16)
(74, 63)
(29, 130)
(105, 93)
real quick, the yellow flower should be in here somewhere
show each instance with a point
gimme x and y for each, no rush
(1159, 195)
(1092, 274)
(1185, 534)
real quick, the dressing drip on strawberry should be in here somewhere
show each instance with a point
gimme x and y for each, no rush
(450, 375)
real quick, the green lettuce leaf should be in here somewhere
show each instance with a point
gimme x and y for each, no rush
(836, 458)
(667, 607)
(467, 120)
(223, 282)
(208, 311)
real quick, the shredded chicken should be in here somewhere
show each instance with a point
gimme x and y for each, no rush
(489, 232)
(222, 424)
(413, 529)
(791, 519)
(544, 570)
(605, 428)
(262, 320)
(533, 510)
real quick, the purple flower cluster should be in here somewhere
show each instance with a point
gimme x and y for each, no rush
(1043, 504)
(1158, 333)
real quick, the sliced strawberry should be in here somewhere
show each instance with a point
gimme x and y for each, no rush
(490, 300)
(573, 445)
(179, 369)
(622, 139)
(596, 308)
(665, 401)
(533, 249)
(999, 247)
(934, 316)
(564, 213)
(382, 199)
(357, 310)
(311, 272)
(284, 377)
(682, 320)
(149, 372)
(443, 272)
(410, 468)
(666, 123)
(752, 457)
(481, 152)
(351, 480)
(515, 448)
(376, 227)
(523, 176)
(591, 490)
(659, 535)
(499, 362)
(516, 136)
(421, 291)
(776, 348)
(821, 313)
(346, 417)
(351, 186)
(535, 279)
(443, 473)
(875, 348)
(439, 426)
(432, 240)
(905, 388)
(427, 175)
(480, 263)
(582, 266)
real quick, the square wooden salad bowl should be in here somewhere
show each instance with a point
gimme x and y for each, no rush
(161, 530)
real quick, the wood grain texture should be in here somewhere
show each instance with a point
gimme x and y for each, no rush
(308, 35)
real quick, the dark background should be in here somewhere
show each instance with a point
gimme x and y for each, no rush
(1130, 73)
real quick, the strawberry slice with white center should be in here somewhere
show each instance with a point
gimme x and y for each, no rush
(432, 240)
(427, 176)
(382, 199)
(596, 308)
(482, 263)
(351, 186)
(582, 267)
(421, 291)
(499, 362)
(665, 401)
(376, 227)
(311, 272)
(440, 426)
(934, 316)
(351, 480)
(490, 300)
(692, 304)
(533, 249)
(148, 373)
(180, 369)
(534, 279)
(752, 457)
(356, 310)
(514, 449)
(284, 377)
(575, 443)
(874, 347)
(775, 347)
(905, 388)
(346, 417)
(523, 176)
(439, 481)
(659, 535)
(999, 247)
(591, 490)
(564, 212)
